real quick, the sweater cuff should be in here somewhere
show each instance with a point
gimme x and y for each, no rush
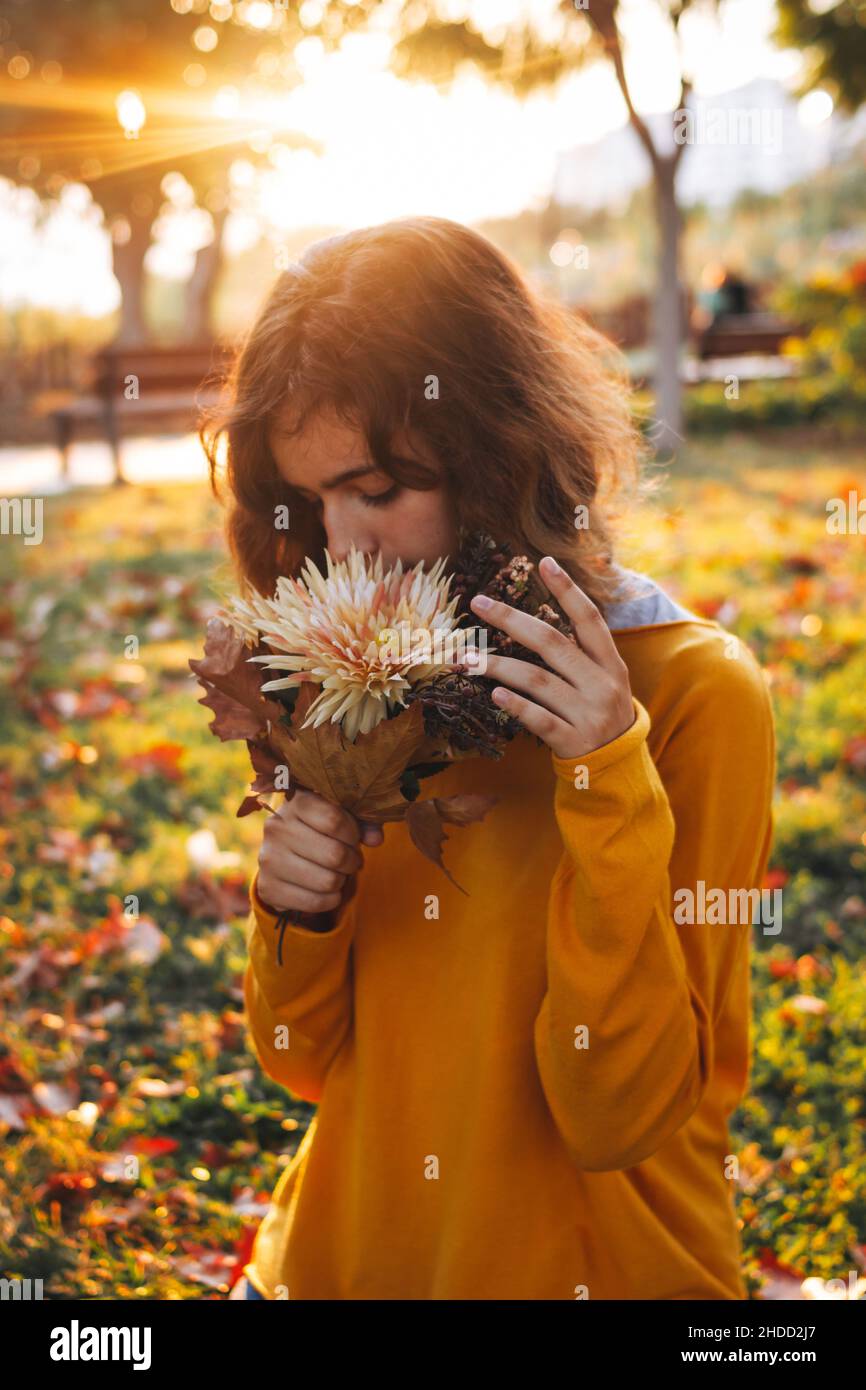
(303, 926)
(267, 915)
(608, 754)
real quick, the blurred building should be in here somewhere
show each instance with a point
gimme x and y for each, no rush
(755, 137)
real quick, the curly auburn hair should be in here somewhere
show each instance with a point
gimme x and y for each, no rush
(531, 418)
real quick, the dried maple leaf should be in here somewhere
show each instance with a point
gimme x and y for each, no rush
(364, 776)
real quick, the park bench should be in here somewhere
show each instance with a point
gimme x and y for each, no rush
(132, 390)
(737, 335)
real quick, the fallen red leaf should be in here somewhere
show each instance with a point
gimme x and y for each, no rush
(161, 760)
(152, 1147)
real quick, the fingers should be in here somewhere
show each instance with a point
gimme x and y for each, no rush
(287, 878)
(559, 653)
(293, 897)
(590, 628)
(554, 731)
(321, 849)
(314, 845)
(309, 849)
(371, 834)
(321, 815)
(544, 688)
(306, 873)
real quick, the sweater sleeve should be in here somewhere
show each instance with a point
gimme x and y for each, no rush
(299, 1004)
(624, 1038)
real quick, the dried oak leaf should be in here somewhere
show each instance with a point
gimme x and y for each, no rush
(464, 808)
(232, 685)
(266, 762)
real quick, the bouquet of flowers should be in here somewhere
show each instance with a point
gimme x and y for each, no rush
(372, 693)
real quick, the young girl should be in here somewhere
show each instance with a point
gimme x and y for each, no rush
(522, 1093)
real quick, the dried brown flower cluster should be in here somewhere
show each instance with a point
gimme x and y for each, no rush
(458, 706)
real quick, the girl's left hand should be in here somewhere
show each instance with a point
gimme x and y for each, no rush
(588, 702)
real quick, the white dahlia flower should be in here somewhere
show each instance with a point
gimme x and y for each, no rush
(363, 634)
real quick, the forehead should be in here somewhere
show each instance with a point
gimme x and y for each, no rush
(328, 446)
(324, 447)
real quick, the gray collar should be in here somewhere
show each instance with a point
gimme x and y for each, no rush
(643, 604)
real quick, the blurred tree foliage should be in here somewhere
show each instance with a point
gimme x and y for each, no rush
(59, 122)
(832, 39)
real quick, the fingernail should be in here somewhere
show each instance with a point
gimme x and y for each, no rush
(482, 601)
(552, 566)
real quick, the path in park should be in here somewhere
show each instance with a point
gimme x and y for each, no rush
(34, 470)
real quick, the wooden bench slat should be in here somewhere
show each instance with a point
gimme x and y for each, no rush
(172, 382)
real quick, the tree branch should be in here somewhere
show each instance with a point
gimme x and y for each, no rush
(685, 93)
(604, 23)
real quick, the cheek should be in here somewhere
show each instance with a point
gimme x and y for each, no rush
(424, 521)
(428, 508)
(417, 527)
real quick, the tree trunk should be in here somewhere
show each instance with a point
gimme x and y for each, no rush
(128, 264)
(201, 284)
(668, 310)
(129, 269)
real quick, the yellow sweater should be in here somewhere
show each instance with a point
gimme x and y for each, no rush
(526, 1096)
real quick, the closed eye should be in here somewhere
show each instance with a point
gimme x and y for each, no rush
(380, 499)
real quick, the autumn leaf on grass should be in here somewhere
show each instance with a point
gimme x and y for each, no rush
(854, 753)
(14, 1111)
(206, 898)
(55, 1099)
(211, 1267)
(243, 1247)
(150, 1146)
(159, 760)
(232, 685)
(144, 941)
(427, 820)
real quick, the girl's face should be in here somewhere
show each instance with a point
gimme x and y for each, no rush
(328, 463)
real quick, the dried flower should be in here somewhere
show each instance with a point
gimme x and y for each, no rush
(458, 706)
(365, 635)
(393, 705)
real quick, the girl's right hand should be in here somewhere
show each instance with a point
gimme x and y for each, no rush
(310, 847)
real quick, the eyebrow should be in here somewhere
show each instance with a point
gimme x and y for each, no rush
(347, 476)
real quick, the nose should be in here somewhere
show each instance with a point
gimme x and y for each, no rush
(341, 534)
